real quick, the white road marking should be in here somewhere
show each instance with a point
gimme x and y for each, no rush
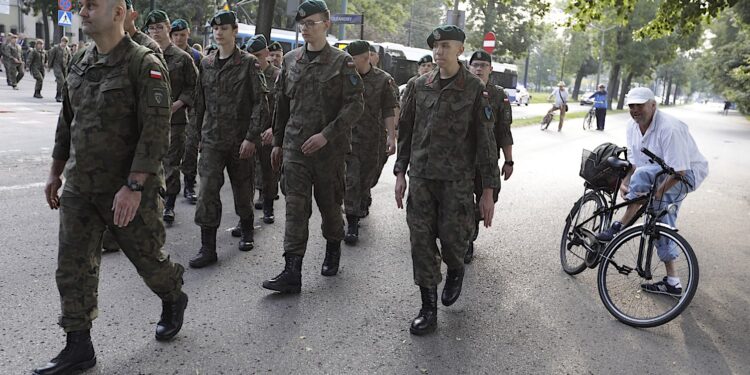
(22, 187)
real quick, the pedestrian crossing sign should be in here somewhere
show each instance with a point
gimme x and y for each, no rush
(64, 18)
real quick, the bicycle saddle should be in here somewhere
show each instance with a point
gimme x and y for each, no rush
(617, 163)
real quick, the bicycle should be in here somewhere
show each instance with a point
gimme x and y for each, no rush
(629, 260)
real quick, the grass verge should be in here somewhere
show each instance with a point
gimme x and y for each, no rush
(535, 120)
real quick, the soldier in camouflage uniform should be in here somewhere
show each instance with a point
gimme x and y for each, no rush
(183, 76)
(319, 97)
(58, 60)
(424, 66)
(276, 54)
(230, 110)
(138, 36)
(180, 34)
(112, 133)
(480, 64)
(14, 60)
(362, 164)
(37, 60)
(443, 136)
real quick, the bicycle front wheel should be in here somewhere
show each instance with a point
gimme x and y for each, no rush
(577, 239)
(587, 121)
(622, 288)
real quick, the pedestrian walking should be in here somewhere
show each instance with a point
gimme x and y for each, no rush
(15, 68)
(58, 61)
(37, 60)
(600, 106)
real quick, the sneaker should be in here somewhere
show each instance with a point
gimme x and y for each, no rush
(663, 287)
(609, 233)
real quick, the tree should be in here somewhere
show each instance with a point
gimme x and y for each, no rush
(48, 10)
(514, 22)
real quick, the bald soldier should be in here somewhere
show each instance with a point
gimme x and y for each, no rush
(319, 98)
(111, 135)
(183, 77)
(443, 137)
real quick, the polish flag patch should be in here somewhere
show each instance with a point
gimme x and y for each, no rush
(155, 74)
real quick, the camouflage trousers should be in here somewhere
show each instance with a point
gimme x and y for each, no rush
(83, 218)
(444, 210)
(211, 167)
(39, 77)
(361, 170)
(265, 178)
(478, 191)
(304, 177)
(173, 158)
(382, 159)
(189, 164)
(14, 73)
(60, 81)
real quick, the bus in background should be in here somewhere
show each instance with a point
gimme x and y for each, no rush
(506, 76)
(398, 60)
(285, 37)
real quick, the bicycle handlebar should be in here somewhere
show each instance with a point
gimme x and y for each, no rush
(669, 170)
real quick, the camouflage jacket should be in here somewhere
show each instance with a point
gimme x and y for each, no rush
(230, 102)
(271, 74)
(37, 61)
(146, 41)
(12, 52)
(319, 96)
(444, 132)
(503, 116)
(111, 124)
(408, 90)
(380, 101)
(183, 76)
(58, 58)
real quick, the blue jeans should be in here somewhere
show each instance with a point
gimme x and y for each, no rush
(640, 184)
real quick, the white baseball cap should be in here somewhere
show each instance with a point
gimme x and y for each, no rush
(640, 95)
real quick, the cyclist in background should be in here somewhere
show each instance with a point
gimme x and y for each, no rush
(560, 96)
(600, 106)
(670, 139)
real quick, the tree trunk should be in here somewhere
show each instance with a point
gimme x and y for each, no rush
(669, 91)
(265, 18)
(45, 22)
(577, 85)
(614, 80)
(624, 90)
(676, 93)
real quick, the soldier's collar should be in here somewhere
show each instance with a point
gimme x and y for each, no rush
(115, 56)
(323, 58)
(459, 83)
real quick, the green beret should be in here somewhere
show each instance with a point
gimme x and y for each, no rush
(224, 17)
(256, 44)
(156, 16)
(446, 32)
(129, 4)
(373, 49)
(310, 7)
(179, 25)
(275, 46)
(480, 56)
(425, 59)
(358, 47)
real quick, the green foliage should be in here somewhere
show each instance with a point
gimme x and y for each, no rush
(514, 22)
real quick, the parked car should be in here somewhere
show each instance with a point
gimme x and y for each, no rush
(586, 98)
(522, 96)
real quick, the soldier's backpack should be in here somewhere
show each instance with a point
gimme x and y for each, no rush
(597, 172)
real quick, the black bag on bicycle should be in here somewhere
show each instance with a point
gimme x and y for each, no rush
(597, 172)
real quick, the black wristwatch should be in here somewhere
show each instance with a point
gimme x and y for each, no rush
(133, 185)
(509, 163)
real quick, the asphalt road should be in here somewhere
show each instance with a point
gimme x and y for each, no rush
(519, 313)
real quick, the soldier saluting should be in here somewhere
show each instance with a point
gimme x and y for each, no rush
(443, 135)
(112, 131)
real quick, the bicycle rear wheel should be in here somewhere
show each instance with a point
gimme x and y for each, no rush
(577, 239)
(620, 285)
(587, 121)
(546, 120)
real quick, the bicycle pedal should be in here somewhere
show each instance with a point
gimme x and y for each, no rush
(624, 270)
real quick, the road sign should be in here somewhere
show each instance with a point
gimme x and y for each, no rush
(354, 19)
(489, 42)
(64, 18)
(65, 5)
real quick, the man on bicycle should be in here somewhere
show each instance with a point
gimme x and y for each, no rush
(560, 96)
(670, 139)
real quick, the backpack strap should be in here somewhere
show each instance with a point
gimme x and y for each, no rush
(136, 59)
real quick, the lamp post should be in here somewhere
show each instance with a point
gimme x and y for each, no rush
(601, 30)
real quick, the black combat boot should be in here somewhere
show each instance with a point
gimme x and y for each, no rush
(78, 355)
(469, 253)
(169, 208)
(246, 242)
(426, 321)
(237, 231)
(172, 314)
(331, 262)
(189, 191)
(352, 230)
(259, 201)
(268, 217)
(454, 279)
(290, 279)
(207, 253)
(38, 95)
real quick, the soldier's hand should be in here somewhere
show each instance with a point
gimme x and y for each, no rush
(314, 143)
(507, 171)
(247, 149)
(267, 136)
(125, 206)
(400, 189)
(177, 105)
(276, 156)
(391, 146)
(487, 207)
(54, 183)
